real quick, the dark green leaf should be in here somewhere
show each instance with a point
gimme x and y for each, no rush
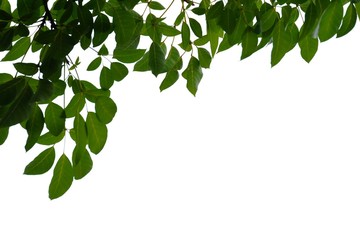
(249, 43)
(281, 43)
(94, 64)
(348, 22)
(4, 132)
(204, 57)
(42, 163)
(173, 60)
(156, 59)
(55, 118)
(156, 5)
(44, 91)
(193, 75)
(143, 64)
(195, 27)
(97, 133)
(26, 68)
(168, 30)
(34, 127)
(106, 78)
(62, 178)
(185, 35)
(311, 18)
(5, 77)
(119, 71)
(267, 20)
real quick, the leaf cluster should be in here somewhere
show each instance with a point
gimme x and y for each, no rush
(173, 41)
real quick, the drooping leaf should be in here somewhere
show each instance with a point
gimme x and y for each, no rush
(173, 60)
(330, 20)
(105, 109)
(62, 178)
(171, 77)
(128, 56)
(42, 163)
(119, 71)
(185, 36)
(34, 127)
(18, 50)
(83, 164)
(4, 132)
(55, 118)
(97, 133)
(308, 46)
(49, 139)
(281, 43)
(193, 74)
(75, 105)
(94, 64)
(26, 68)
(106, 78)
(204, 57)
(348, 22)
(195, 27)
(249, 44)
(156, 59)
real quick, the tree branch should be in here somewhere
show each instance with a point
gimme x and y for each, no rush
(48, 15)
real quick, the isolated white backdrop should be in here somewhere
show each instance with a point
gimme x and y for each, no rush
(260, 153)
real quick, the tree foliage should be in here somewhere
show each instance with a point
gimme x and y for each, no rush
(171, 39)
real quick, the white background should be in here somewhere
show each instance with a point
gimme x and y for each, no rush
(260, 153)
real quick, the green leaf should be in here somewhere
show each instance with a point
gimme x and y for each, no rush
(128, 56)
(143, 64)
(348, 22)
(227, 20)
(103, 50)
(267, 20)
(204, 57)
(102, 29)
(171, 77)
(5, 77)
(193, 74)
(42, 163)
(195, 27)
(49, 139)
(26, 68)
(168, 30)
(119, 71)
(55, 118)
(173, 60)
(185, 35)
(34, 127)
(106, 78)
(19, 49)
(62, 178)
(330, 20)
(156, 5)
(6, 38)
(94, 64)
(83, 164)
(156, 59)
(4, 132)
(97, 133)
(20, 107)
(281, 43)
(75, 105)
(311, 18)
(249, 44)
(105, 109)
(308, 46)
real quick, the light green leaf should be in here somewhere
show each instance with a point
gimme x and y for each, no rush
(18, 50)
(42, 163)
(105, 109)
(193, 74)
(97, 133)
(62, 178)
